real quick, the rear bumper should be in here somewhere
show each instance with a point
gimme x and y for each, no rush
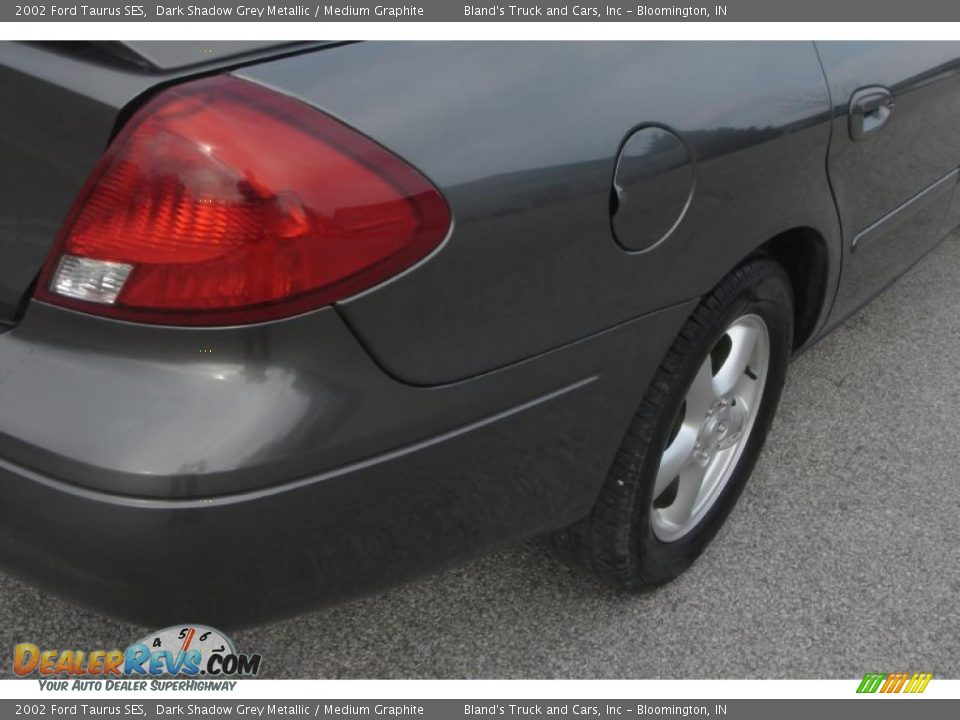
(230, 476)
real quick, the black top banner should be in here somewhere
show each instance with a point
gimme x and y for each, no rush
(447, 11)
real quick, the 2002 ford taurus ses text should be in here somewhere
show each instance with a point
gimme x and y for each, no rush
(283, 324)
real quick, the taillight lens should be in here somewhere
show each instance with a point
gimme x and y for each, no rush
(223, 202)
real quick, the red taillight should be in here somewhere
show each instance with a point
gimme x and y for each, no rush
(224, 202)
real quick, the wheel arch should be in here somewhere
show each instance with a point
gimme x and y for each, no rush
(805, 256)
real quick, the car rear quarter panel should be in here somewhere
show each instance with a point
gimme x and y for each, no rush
(522, 138)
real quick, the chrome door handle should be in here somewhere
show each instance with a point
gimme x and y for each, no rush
(870, 110)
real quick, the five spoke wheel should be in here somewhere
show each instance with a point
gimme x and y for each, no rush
(711, 429)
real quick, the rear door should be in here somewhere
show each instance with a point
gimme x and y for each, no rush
(893, 155)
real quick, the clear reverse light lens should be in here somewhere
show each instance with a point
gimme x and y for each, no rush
(96, 281)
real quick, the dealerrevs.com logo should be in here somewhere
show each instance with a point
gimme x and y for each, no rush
(184, 651)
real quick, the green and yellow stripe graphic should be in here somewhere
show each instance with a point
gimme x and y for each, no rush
(894, 682)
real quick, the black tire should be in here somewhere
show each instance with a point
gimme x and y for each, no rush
(616, 540)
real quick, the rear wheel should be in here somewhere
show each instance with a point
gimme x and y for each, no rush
(696, 436)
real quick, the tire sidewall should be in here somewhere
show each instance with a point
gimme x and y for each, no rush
(658, 561)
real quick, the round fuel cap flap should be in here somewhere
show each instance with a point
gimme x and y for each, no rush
(652, 187)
